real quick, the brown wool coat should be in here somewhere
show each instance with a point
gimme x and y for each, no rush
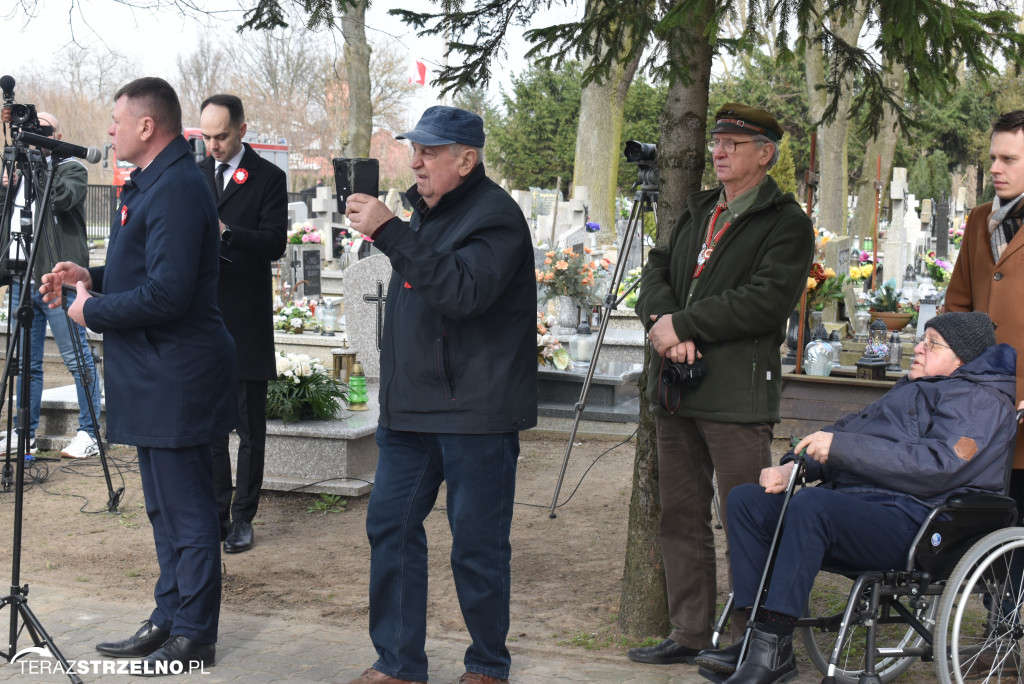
(978, 284)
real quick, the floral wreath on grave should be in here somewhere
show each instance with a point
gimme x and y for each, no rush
(549, 351)
(574, 275)
(303, 390)
(295, 318)
(823, 287)
(938, 269)
(304, 234)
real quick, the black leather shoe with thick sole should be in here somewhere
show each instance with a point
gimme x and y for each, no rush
(179, 655)
(722, 660)
(769, 660)
(667, 652)
(139, 645)
(240, 538)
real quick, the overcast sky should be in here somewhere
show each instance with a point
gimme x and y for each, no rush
(153, 39)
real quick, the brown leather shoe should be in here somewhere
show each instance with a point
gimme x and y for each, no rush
(372, 676)
(477, 678)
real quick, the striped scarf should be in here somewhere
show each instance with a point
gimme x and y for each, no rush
(1003, 223)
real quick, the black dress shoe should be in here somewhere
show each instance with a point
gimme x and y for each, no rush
(240, 539)
(769, 660)
(148, 639)
(665, 653)
(722, 660)
(178, 655)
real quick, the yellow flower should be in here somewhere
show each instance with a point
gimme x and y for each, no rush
(811, 283)
(866, 270)
(830, 272)
(855, 273)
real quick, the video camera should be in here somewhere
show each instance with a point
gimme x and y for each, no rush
(644, 155)
(20, 117)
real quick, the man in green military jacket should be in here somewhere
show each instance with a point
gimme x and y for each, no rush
(720, 292)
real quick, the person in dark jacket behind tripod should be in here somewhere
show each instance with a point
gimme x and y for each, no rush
(944, 429)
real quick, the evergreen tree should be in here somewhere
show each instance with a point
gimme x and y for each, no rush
(919, 180)
(535, 140)
(940, 179)
(784, 172)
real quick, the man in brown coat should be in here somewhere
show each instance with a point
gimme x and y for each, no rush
(989, 274)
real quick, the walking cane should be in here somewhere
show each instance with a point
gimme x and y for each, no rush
(762, 589)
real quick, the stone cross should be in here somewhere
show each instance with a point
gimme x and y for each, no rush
(363, 313)
(380, 298)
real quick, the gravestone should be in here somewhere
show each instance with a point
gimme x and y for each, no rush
(898, 250)
(311, 273)
(393, 202)
(365, 283)
(837, 257)
(525, 201)
(300, 269)
(297, 212)
(940, 228)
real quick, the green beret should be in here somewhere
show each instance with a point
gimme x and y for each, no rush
(737, 118)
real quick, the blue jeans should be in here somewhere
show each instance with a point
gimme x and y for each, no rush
(43, 314)
(480, 471)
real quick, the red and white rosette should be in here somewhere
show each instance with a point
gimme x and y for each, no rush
(240, 176)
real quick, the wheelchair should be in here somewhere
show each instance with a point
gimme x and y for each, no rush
(955, 602)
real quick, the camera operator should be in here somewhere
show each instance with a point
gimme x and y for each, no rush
(70, 184)
(720, 292)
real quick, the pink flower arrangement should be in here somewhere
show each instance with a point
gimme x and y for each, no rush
(304, 234)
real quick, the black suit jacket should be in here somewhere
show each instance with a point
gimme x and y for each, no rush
(254, 206)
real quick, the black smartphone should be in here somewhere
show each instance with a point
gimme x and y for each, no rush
(355, 176)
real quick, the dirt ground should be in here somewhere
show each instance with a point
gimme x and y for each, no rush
(313, 566)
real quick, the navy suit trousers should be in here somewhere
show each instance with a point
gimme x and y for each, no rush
(822, 527)
(178, 486)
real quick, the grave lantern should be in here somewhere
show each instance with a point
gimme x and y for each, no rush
(837, 347)
(895, 353)
(581, 346)
(330, 316)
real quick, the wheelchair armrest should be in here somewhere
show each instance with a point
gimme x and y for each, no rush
(981, 501)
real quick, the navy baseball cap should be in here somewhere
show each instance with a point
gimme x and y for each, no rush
(446, 125)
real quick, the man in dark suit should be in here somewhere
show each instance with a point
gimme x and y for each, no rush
(170, 366)
(252, 201)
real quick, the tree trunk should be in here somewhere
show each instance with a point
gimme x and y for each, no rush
(834, 179)
(882, 144)
(357, 64)
(643, 608)
(598, 136)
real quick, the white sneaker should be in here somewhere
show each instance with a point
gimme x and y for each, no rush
(82, 446)
(14, 443)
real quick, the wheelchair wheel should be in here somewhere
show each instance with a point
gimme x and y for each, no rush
(828, 600)
(978, 634)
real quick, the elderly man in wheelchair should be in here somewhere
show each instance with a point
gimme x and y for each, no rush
(946, 430)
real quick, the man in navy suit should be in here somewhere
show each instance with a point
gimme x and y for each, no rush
(170, 366)
(252, 201)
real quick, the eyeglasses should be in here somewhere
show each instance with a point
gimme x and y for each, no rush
(929, 344)
(727, 144)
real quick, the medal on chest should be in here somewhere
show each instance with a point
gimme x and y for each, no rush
(124, 214)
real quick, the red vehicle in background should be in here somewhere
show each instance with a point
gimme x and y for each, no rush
(275, 152)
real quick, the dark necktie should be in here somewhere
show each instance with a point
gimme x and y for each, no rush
(221, 168)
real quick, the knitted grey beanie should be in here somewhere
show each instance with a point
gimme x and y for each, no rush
(967, 333)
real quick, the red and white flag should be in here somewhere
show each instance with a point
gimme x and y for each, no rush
(421, 70)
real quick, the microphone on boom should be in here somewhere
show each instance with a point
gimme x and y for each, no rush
(61, 148)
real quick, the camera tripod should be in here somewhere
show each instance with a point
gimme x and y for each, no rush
(646, 199)
(32, 168)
